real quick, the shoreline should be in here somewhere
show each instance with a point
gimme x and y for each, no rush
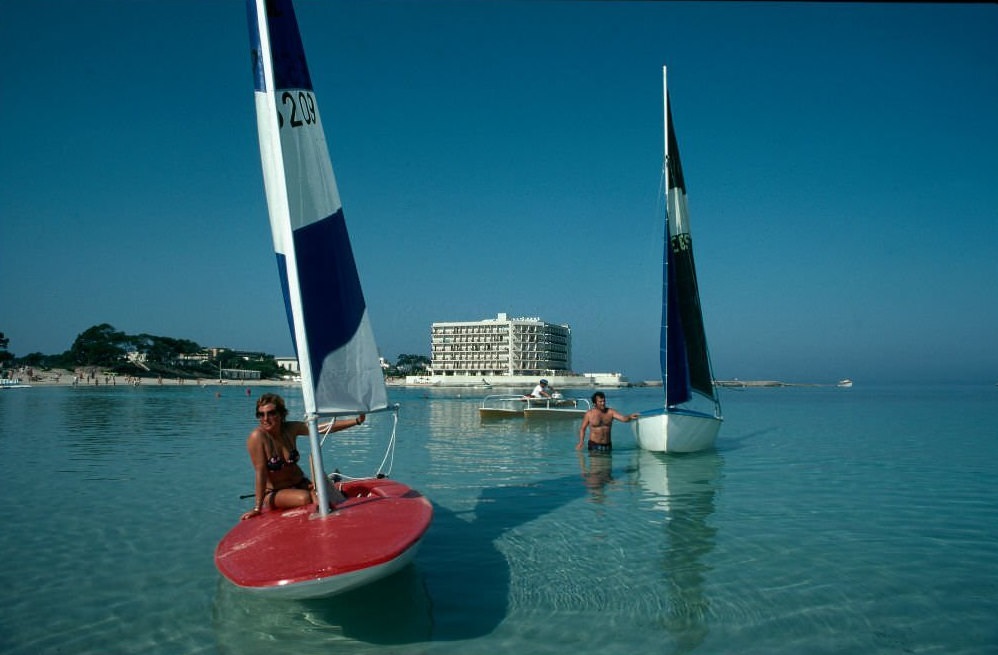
(66, 378)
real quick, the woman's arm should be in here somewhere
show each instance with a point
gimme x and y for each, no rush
(300, 428)
(341, 424)
(254, 445)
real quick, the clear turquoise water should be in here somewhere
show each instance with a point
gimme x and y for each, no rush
(827, 521)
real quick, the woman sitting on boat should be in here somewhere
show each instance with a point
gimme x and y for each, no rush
(280, 482)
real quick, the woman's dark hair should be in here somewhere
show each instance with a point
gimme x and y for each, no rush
(275, 400)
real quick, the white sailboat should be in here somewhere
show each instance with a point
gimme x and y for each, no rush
(691, 417)
(310, 552)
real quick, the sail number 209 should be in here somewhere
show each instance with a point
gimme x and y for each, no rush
(299, 108)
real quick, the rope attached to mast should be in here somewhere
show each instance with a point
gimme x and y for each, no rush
(389, 457)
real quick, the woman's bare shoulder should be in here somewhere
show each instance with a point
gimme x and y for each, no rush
(297, 428)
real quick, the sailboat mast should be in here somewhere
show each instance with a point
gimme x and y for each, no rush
(665, 123)
(664, 335)
(275, 178)
(275, 181)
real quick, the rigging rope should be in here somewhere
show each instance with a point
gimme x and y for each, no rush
(389, 456)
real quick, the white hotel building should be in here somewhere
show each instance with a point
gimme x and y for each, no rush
(505, 351)
(501, 346)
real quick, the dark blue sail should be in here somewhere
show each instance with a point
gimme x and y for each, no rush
(685, 361)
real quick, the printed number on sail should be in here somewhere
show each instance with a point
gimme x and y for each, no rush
(302, 109)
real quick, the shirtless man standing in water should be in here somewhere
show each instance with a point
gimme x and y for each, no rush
(599, 420)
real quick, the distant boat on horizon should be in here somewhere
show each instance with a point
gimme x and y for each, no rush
(845, 383)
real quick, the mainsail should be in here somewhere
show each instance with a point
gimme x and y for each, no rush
(327, 314)
(684, 358)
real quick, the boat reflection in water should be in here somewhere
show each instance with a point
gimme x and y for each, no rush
(684, 486)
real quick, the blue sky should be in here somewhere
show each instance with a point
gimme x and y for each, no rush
(841, 162)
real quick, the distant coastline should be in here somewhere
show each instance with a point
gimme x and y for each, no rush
(64, 377)
(67, 378)
(739, 384)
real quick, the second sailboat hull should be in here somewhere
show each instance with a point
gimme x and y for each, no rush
(676, 431)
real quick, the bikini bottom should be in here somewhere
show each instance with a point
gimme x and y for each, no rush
(269, 495)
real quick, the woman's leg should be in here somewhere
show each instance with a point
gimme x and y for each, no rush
(303, 495)
(286, 498)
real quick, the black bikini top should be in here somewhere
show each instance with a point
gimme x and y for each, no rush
(277, 462)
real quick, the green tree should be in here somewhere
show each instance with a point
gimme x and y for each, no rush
(163, 350)
(100, 345)
(411, 364)
(35, 359)
(249, 361)
(5, 356)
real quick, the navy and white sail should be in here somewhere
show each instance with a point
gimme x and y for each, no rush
(691, 416)
(684, 358)
(332, 334)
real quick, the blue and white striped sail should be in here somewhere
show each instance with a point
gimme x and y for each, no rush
(684, 356)
(686, 423)
(329, 322)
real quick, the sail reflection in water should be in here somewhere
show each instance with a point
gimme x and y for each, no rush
(684, 487)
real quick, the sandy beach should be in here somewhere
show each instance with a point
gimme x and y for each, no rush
(67, 378)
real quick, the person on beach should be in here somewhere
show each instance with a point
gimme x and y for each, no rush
(280, 482)
(599, 421)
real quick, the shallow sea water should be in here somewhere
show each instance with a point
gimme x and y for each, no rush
(827, 520)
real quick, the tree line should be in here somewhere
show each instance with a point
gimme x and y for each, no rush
(110, 350)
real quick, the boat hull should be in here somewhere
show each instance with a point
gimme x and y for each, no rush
(297, 554)
(676, 431)
(487, 413)
(517, 406)
(554, 412)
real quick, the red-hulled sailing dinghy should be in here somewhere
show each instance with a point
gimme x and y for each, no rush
(311, 552)
(294, 554)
